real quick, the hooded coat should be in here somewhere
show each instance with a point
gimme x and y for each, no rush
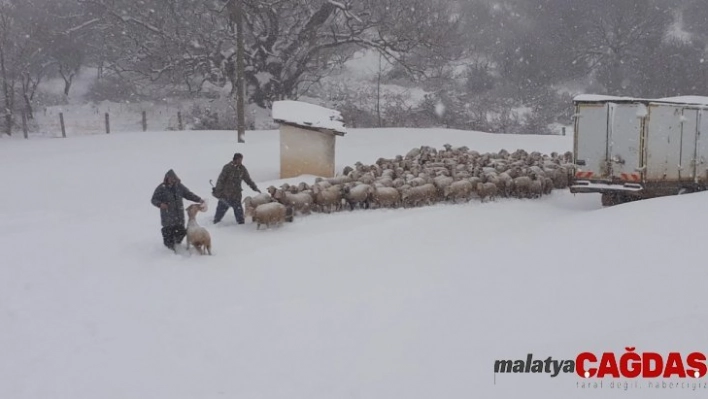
(172, 195)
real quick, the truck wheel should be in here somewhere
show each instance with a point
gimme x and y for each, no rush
(607, 199)
(610, 199)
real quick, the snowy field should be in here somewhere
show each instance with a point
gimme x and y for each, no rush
(414, 303)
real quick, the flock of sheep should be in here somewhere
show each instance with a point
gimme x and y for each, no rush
(424, 176)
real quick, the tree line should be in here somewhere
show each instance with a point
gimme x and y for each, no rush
(481, 61)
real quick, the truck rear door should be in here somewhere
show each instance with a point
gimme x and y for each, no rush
(702, 147)
(623, 144)
(689, 130)
(591, 140)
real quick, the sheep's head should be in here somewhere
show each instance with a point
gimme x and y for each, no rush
(193, 209)
(271, 190)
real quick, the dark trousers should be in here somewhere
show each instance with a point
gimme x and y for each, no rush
(172, 235)
(224, 206)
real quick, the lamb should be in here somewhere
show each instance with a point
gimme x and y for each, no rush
(272, 213)
(197, 235)
(300, 202)
(486, 190)
(250, 203)
(461, 189)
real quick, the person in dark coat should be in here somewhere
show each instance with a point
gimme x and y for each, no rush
(228, 189)
(168, 197)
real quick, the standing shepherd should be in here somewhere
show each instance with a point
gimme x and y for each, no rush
(168, 197)
(228, 189)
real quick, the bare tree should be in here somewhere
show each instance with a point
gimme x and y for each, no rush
(288, 44)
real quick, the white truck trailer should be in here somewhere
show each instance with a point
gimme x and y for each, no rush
(631, 148)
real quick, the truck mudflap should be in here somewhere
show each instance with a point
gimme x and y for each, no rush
(586, 186)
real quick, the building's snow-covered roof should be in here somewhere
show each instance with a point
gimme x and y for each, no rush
(308, 115)
(688, 100)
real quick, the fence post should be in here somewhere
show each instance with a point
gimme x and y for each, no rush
(61, 122)
(24, 124)
(145, 124)
(108, 124)
(563, 130)
(179, 121)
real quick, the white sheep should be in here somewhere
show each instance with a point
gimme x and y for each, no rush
(486, 190)
(250, 203)
(358, 195)
(300, 202)
(197, 235)
(272, 213)
(522, 186)
(326, 198)
(536, 188)
(461, 189)
(385, 197)
(417, 195)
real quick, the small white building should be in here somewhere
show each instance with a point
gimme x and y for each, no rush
(308, 135)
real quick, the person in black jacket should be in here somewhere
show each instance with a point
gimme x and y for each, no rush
(228, 189)
(168, 197)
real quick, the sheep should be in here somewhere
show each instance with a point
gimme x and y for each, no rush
(522, 186)
(272, 213)
(417, 181)
(386, 197)
(441, 182)
(358, 195)
(326, 198)
(486, 190)
(535, 189)
(300, 202)
(459, 189)
(339, 180)
(426, 175)
(250, 203)
(303, 187)
(416, 195)
(505, 184)
(197, 235)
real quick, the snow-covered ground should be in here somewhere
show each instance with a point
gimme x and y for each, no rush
(414, 303)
